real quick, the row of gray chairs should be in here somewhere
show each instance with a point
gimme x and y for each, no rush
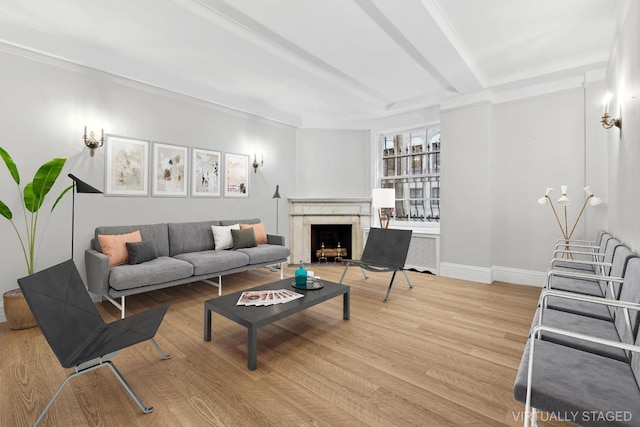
(581, 360)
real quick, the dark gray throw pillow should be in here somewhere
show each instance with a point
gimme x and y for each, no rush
(141, 251)
(243, 238)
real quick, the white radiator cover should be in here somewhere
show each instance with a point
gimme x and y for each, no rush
(424, 251)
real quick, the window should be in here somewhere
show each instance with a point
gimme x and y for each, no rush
(410, 163)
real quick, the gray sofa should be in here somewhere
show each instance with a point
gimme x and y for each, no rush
(185, 254)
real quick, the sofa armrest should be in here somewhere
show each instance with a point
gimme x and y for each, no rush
(97, 267)
(272, 239)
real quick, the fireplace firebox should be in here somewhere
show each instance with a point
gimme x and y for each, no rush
(329, 241)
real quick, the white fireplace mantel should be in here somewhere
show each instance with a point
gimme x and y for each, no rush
(305, 212)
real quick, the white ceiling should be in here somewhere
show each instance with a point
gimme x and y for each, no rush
(321, 63)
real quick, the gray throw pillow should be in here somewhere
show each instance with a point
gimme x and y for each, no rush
(243, 238)
(141, 251)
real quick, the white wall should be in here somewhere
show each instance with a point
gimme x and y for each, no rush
(465, 188)
(498, 157)
(623, 80)
(45, 107)
(536, 143)
(332, 163)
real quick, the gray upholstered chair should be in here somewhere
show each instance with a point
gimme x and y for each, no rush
(385, 251)
(586, 386)
(76, 332)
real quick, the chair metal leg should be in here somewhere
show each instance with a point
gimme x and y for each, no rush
(99, 364)
(390, 285)
(66, 380)
(363, 273)
(407, 277)
(143, 408)
(344, 272)
(164, 355)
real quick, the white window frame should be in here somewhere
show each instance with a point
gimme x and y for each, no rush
(418, 226)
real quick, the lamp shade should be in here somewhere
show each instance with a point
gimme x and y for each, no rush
(383, 198)
(564, 200)
(276, 195)
(595, 201)
(83, 187)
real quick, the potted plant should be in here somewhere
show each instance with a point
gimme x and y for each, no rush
(32, 195)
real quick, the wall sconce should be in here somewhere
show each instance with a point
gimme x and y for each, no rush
(91, 142)
(607, 121)
(256, 165)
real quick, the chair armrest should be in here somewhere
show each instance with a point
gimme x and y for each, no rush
(618, 344)
(97, 269)
(581, 261)
(576, 245)
(586, 242)
(583, 276)
(272, 239)
(591, 254)
(587, 298)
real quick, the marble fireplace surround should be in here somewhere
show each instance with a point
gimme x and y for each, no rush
(305, 212)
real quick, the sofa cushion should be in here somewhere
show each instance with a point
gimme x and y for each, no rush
(222, 236)
(265, 253)
(159, 270)
(190, 237)
(140, 252)
(258, 230)
(155, 232)
(207, 262)
(114, 246)
(243, 238)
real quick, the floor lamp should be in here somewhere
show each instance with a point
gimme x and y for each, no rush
(79, 186)
(384, 200)
(276, 196)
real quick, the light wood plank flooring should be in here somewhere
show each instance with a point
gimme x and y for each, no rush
(444, 353)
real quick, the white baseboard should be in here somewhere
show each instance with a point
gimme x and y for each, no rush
(518, 276)
(465, 272)
(495, 273)
(3, 318)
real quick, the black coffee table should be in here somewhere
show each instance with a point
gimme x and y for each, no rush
(254, 317)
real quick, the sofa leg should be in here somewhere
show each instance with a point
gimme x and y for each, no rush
(217, 285)
(119, 306)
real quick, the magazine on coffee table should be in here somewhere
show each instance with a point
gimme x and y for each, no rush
(267, 297)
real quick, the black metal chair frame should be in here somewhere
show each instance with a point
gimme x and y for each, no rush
(385, 251)
(76, 332)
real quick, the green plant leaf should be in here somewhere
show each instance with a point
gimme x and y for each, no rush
(44, 179)
(65, 191)
(13, 169)
(5, 211)
(31, 202)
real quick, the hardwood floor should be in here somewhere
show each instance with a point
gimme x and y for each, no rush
(444, 353)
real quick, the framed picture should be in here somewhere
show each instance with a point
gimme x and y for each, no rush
(169, 174)
(236, 179)
(127, 166)
(205, 173)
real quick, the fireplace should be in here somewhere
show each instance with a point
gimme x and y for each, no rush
(329, 241)
(305, 213)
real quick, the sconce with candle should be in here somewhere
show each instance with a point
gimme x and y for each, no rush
(607, 121)
(256, 165)
(91, 142)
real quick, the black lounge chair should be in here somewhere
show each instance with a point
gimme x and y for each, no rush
(386, 250)
(76, 332)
